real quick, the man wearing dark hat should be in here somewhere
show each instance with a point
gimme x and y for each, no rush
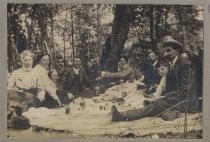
(180, 93)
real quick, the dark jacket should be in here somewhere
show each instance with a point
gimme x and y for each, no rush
(181, 83)
(151, 75)
(68, 83)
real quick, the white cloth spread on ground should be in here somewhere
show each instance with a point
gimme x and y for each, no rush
(93, 118)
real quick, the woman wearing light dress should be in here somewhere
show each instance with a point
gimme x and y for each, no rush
(24, 87)
(42, 70)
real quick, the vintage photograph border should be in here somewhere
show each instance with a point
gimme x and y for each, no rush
(3, 70)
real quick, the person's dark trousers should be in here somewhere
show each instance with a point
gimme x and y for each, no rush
(36, 102)
(151, 110)
(25, 100)
(63, 97)
(49, 102)
(87, 93)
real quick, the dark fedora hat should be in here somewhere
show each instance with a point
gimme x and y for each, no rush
(168, 40)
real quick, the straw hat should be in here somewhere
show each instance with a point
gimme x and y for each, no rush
(168, 40)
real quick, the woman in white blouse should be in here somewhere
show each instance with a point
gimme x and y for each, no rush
(24, 86)
(42, 70)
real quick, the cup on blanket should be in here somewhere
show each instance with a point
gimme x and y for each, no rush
(82, 104)
(146, 102)
(67, 110)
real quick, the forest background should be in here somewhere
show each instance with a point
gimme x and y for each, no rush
(98, 32)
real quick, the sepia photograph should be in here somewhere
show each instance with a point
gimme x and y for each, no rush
(105, 71)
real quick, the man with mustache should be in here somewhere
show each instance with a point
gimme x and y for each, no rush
(180, 94)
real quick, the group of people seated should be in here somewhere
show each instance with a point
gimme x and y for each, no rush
(172, 85)
(169, 83)
(38, 86)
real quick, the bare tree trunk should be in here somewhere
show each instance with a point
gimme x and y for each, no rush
(119, 34)
(182, 24)
(72, 32)
(30, 30)
(54, 63)
(42, 22)
(98, 32)
(165, 24)
(64, 42)
(13, 54)
(152, 31)
(158, 31)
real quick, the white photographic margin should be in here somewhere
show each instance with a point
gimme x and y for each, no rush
(3, 70)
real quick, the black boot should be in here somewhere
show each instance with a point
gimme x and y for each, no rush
(170, 115)
(116, 116)
(20, 122)
(16, 120)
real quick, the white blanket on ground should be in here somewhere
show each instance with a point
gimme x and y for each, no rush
(94, 118)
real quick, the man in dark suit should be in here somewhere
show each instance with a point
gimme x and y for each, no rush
(74, 80)
(180, 93)
(151, 75)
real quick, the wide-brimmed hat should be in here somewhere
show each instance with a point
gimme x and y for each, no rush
(168, 40)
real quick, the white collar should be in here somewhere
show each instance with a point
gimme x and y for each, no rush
(155, 63)
(25, 69)
(76, 70)
(174, 61)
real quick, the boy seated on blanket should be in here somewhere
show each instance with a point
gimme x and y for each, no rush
(64, 97)
(163, 66)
